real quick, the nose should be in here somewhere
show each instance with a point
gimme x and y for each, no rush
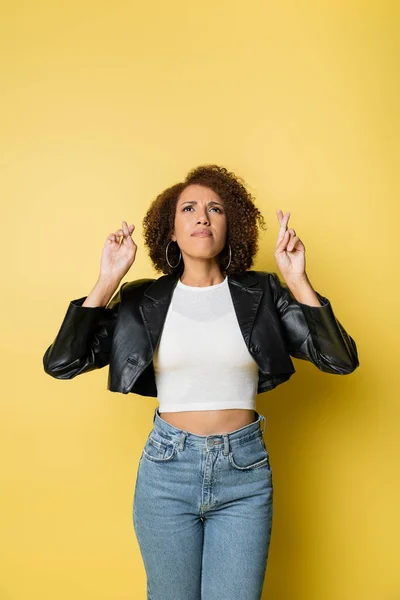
(203, 219)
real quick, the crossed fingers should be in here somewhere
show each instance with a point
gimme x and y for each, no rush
(284, 232)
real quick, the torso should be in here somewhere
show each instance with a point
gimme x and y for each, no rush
(210, 422)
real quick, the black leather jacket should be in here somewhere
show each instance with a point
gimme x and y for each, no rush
(125, 333)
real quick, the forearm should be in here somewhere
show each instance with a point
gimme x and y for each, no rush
(83, 342)
(102, 293)
(303, 291)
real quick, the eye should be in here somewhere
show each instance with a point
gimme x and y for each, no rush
(213, 207)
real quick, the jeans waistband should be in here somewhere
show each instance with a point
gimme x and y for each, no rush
(174, 433)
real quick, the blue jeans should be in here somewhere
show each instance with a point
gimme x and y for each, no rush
(202, 512)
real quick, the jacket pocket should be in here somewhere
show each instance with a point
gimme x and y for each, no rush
(132, 360)
(129, 372)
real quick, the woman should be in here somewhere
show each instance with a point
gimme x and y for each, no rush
(205, 339)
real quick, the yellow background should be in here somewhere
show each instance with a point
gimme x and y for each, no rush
(103, 105)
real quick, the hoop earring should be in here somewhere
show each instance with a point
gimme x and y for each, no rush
(230, 258)
(166, 256)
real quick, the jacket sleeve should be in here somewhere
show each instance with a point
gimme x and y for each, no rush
(313, 333)
(83, 342)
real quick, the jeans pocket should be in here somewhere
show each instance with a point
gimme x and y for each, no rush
(158, 449)
(252, 454)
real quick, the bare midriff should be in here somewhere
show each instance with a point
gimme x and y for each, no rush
(210, 422)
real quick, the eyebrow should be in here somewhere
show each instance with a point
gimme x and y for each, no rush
(194, 202)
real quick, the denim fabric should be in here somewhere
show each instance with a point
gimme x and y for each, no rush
(202, 512)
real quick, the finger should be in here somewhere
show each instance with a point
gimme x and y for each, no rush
(284, 222)
(281, 216)
(280, 245)
(127, 230)
(292, 243)
(127, 234)
(282, 228)
(293, 239)
(279, 240)
(123, 231)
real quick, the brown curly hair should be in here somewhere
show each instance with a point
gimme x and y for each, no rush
(242, 217)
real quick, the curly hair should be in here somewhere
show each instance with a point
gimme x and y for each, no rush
(242, 217)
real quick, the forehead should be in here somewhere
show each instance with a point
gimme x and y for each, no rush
(199, 193)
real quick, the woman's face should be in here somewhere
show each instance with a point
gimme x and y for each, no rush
(199, 207)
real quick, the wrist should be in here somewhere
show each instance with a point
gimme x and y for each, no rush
(108, 282)
(303, 291)
(297, 280)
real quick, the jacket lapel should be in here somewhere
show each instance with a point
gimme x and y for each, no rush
(246, 293)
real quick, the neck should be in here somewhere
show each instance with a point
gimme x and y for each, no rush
(202, 281)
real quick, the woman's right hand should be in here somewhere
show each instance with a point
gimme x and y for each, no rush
(117, 258)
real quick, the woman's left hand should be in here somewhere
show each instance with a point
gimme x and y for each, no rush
(289, 250)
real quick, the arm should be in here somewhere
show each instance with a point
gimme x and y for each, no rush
(312, 332)
(83, 342)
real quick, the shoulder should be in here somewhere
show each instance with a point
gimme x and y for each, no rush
(136, 288)
(264, 277)
(269, 281)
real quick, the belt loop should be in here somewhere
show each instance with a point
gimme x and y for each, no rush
(182, 440)
(226, 444)
(262, 420)
(154, 415)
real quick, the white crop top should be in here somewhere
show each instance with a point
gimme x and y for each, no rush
(201, 361)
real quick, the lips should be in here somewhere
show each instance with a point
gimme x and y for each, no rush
(202, 234)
